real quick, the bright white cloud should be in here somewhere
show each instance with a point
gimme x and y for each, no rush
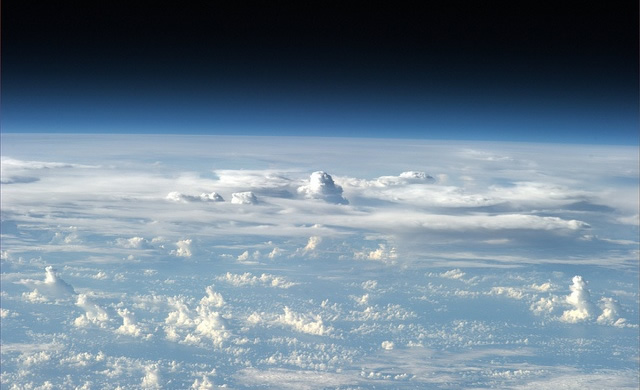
(204, 197)
(247, 279)
(580, 300)
(52, 287)
(304, 323)
(246, 197)
(129, 325)
(321, 186)
(94, 314)
(610, 313)
(184, 248)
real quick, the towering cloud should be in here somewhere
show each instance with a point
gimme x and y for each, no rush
(580, 299)
(52, 287)
(322, 186)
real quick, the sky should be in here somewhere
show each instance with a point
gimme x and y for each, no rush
(535, 71)
(319, 196)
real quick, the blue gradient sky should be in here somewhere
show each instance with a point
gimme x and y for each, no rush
(538, 72)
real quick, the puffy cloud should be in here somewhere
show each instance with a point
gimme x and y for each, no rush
(415, 175)
(94, 314)
(181, 314)
(206, 322)
(204, 197)
(129, 326)
(580, 300)
(276, 252)
(204, 384)
(322, 186)
(610, 313)
(132, 243)
(212, 298)
(211, 197)
(541, 287)
(511, 292)
(312, 244)
(210, 324)
(304, 323)
(246, 256)
(452, 274)
(383, 254)
(247, 278)
(52, 287)
(247, 197)
(388, 345)
(409, 177)
(151, 379)
(184, 248)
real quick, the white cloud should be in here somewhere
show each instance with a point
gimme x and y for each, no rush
(52, 287)
(184, 248)
(276, 252)
(246, 197)
(94, 314)
(132, 243)
(388, 345)
(129, 325)
(321, 186)
(312, 244)
(151, 379)
(247, 278)
(580, 300)
(610, 313)
(453, 274)
(212, 298)
(544, 287)
(211, 197)
(511, 292)
(204, 197)
(304, 323)
(383, 254)
(204, 384)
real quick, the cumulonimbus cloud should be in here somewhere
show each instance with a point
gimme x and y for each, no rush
(322, 186)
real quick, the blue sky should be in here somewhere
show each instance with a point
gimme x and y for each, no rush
(530, 73)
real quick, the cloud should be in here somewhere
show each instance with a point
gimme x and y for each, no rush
(207, 322)
(312, 244)
(129, 325)
(204, 197)
(132, 243)
(321, 186)
(388, 345)
(184, 248)
(580, 300)
(610, 313)
(212, 299)
(247, 279)
(151, 379)
(94, 314)
(304, 323)
(453, 274)
(52, 287)
(246, 197)
(204, 384)
(383, 254)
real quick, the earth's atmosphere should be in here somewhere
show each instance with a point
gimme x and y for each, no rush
(317, 263)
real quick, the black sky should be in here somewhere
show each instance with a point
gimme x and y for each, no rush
(534, 58)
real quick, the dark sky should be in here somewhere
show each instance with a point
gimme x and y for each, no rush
(539, 71)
